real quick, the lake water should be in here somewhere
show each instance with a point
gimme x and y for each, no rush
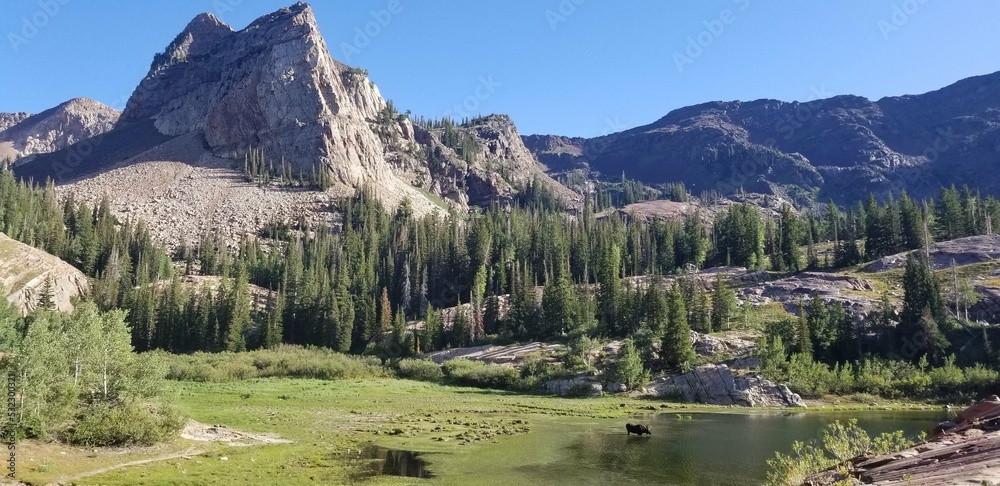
(695, 449)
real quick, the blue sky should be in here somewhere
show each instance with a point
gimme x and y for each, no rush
(569, 67)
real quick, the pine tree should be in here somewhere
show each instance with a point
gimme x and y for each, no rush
(788, 258)
(557, 312)
(700, 317)
(273, 326)
(46, 295)
(399, 329)
(385, 313)
(803, 340)
(432, 330)
(609, 292)
(238, 304)
(915, 335)
(723, 305)
(676, 352)
(655, 308)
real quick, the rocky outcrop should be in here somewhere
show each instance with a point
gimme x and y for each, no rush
(56, 128)
(717, 385)
(958, 252)
(709, 346)
(25, 272)
(8, 120)
(845, 146)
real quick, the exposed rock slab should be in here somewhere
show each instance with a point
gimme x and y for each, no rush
(961, 251)
(829, 287)
(24, 270)
(513, 354)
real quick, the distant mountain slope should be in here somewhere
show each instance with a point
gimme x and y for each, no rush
(840, 147)
(56, 128)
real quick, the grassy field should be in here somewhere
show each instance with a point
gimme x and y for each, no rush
(328, 422)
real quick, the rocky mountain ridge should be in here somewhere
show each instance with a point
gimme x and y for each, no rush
(272, 88)
(841, 147)
(78, 119)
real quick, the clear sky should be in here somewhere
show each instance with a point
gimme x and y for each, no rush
(569, 67)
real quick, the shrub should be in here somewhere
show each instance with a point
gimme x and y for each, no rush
(126, 423)
(579, 389)
(628, 369)
(282, 361)
(840, 442)
(809, 377)
(479, 374)
(420, 369)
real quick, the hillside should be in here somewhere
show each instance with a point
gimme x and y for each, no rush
(841, 147)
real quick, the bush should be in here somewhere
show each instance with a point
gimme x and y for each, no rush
(628, 369)
(808, 377)
(580, 389)
(126, 423)
(840, 442)
(478, 374)
(419, 369)
(282, 361)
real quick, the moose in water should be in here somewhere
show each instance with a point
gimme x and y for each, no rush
(638, 429)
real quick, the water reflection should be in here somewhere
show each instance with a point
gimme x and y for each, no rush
(381, 461)
(717, 449)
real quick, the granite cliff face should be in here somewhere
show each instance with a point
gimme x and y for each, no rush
(24, 271)
(271, 86)
(53, 129)
(843, 146)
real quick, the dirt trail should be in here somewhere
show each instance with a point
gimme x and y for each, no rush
(191, 451)
(195, 431)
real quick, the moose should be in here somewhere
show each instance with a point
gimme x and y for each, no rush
(637, 429)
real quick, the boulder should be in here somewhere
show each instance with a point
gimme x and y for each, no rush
(717, 385)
